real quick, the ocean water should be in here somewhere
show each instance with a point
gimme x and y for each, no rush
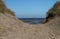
(32, 20)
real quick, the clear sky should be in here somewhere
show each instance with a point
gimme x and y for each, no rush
(30, 8)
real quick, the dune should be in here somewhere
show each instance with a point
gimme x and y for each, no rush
(13, 28)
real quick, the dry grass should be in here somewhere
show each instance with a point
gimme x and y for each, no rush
(4, 9)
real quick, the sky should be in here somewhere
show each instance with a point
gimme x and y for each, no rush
(30, 8)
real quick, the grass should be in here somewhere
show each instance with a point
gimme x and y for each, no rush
(1, 9)
(10, 12)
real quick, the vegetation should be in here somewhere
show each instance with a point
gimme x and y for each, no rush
(54, 11)
(10, 12)
(59, 14)
(3, 9)
(2, 6)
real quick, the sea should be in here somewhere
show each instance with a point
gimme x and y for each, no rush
(32, 20)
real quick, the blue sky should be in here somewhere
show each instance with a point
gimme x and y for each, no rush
(29, 8)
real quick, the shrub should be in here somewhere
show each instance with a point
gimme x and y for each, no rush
(58, 14)
(10, 12)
